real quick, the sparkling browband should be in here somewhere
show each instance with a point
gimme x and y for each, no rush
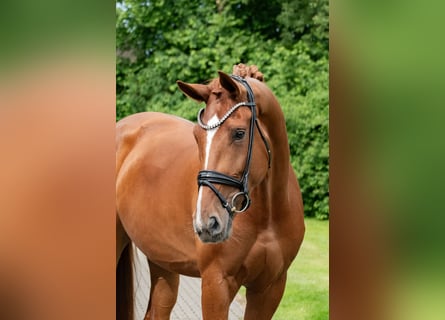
(224, 118)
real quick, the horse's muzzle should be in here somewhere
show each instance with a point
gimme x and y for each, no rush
(212, 230)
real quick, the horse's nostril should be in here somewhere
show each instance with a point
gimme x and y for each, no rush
(213, 224)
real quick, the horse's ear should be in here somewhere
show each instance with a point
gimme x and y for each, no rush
(228, 83)
(198, 92)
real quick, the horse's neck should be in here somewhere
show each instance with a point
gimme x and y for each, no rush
(273, 119)
(272, 195)
(271, 116)
(276, 182)
(276, 130)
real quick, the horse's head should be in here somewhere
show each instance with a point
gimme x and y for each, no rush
(232, 164)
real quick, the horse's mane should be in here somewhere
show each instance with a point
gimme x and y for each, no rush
(243, 71)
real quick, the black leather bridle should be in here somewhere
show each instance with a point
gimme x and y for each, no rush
(209, 177)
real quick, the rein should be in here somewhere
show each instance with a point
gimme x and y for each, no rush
(209, 177)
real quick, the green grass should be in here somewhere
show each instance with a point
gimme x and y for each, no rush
(307, 288)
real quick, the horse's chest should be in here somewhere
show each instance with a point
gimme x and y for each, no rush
(265, 260)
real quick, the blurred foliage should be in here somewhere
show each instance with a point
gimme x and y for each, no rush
(162, 41)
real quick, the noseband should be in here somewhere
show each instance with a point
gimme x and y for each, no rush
(209, 177)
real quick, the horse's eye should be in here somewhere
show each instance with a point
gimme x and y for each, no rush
(239, 134)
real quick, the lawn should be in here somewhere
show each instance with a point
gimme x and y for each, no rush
(307, 288)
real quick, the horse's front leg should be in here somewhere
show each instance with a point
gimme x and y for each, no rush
(218, 292)
(262, 303)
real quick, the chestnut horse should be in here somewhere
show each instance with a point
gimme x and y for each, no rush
(242, 224)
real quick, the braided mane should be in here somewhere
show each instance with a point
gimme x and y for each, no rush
(244, 71)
